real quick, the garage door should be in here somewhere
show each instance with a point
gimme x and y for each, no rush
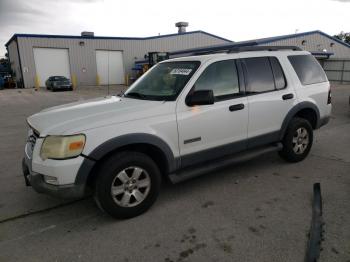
(110, 67)
(51, 62)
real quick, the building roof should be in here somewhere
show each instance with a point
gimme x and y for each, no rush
(283, 37)
(260, 41)
(114, 38)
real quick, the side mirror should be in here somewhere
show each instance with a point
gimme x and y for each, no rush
(200, 97)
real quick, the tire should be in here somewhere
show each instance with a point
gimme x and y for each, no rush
(131, 196)
(297, 140)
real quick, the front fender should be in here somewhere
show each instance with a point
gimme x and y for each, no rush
(113, 144)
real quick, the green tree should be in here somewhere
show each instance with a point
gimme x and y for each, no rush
(345, 37)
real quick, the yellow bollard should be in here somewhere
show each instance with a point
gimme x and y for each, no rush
(37, 82)
(74, 81)
(127, 79)
(97, 80)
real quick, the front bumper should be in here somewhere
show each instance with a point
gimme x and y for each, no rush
(36, 180)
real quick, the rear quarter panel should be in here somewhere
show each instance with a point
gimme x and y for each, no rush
(314, 93)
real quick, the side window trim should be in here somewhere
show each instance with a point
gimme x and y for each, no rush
(241, 78)
(274, 74)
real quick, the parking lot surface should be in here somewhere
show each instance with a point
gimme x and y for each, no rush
(259, 210)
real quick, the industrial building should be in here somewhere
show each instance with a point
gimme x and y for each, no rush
(96, 60)
(89, 59)
(332, 53)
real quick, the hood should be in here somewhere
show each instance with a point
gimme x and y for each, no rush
(82, 115)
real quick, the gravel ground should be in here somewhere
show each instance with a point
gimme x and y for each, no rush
(258, 210)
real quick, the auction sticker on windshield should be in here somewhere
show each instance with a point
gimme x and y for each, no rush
(181, 71)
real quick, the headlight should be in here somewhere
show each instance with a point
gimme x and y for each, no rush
(62, 147)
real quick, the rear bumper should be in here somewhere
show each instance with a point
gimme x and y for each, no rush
(64, 87)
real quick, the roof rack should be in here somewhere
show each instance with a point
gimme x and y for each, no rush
(263, 48)
(231, 48)
(243, 48)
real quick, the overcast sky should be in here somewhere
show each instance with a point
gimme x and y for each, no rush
(235, 20)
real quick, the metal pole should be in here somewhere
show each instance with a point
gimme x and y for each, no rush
(342, 72)
(108, 73)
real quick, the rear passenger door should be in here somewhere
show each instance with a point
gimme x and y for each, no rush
(270, 97)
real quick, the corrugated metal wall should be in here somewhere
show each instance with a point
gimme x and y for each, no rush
(337, 70)
(316, 43)
(14, 59)
(84, 57)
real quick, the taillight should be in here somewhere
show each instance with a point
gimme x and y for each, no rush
(329, 100)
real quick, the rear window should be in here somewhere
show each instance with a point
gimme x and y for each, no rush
(58, 78)
(309, 71)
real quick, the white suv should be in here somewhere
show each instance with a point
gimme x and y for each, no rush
(184, 117)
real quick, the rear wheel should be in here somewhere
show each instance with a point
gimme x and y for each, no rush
(297, 141)
(127, 184)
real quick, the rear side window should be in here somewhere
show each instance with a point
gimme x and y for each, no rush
(309, 71)
(263, 74)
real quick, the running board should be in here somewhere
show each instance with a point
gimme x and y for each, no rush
(198, 170)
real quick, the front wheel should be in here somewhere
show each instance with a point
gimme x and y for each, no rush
(127, 184)
(297, 141)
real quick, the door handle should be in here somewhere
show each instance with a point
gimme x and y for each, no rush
(236, 107)
(287, 96)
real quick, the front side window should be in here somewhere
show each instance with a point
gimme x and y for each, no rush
(309, 71)
(164, 82)
(221, 77)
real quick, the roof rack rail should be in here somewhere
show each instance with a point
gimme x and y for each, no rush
(263, 48)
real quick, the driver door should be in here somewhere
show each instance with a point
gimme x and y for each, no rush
(209, 132)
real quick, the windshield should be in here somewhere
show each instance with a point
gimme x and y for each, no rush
(164, 82)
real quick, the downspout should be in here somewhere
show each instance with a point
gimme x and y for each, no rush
(20, 63)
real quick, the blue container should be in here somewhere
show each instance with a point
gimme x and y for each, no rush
(2, 82)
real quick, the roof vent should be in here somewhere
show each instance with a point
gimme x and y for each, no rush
(87, 33)
(182, 27)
